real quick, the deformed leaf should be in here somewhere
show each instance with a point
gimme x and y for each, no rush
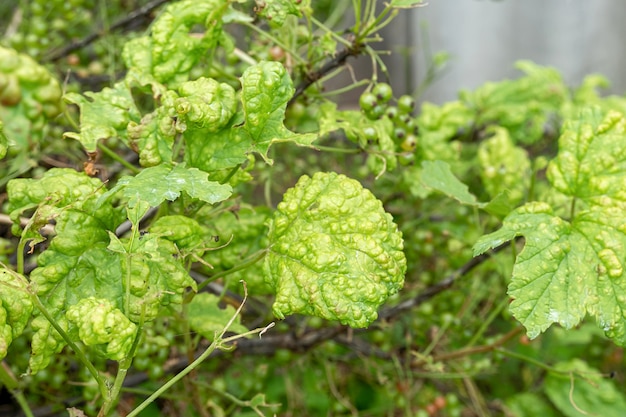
(99, 322)
(208, 319)
(591, 161)
(103, 115)
(171, 50)
(153, 137)
(266, 88)
(16, 308)
(334, 252)
(570, 268)
(163, 182)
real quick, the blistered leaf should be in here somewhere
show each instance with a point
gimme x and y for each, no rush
(266, 89)
(103, 115)
(334, 252)
(16, 308)
(570, 268)
(46, 342)
(208, 319)
(99, 322)
(205, 103)
(54, 192)
(215, 151)
(581, 390)
(504, 166)
(184, 231)
(438, 125)
(171, 50)
(150, 268)
(163, 182)
(153, 137)
(592, 158)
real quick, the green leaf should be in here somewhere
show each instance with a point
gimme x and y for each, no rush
(334, 252)
(591, 158)
(103, 115)
(583, 391)
(16, 308)
(99, 322)
(208, 319)
(184, 231)
(266, 90)
(54, 192)
(172, 50)
(439, 176)
(568, 269)
(153, 137)
(205, 103)
(211, 152)
(163, 182)
(504, 166)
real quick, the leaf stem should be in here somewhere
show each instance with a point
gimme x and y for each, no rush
(219, 341)
(117, 158)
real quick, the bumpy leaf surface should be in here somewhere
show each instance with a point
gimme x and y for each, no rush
(265, 90)
(16, 308)
(103, 115)
(171, 50)
(99, 322)
(85, 259)
(569, 268)
(334, 252)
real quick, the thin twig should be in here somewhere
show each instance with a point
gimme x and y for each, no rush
(440, 286)
(337, 61)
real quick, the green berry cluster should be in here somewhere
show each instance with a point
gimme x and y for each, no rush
(377, 104)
